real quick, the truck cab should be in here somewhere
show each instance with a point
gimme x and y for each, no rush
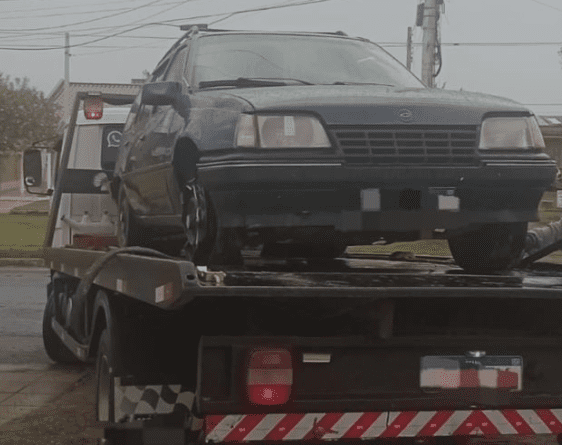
(86, 213)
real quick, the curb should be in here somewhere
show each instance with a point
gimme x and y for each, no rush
(22, 262)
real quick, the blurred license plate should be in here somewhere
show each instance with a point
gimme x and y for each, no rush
(458, 371)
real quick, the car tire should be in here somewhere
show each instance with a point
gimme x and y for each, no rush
(55, 348)
(490, 248)
(199, 224)
(105, 386)
(128, 233)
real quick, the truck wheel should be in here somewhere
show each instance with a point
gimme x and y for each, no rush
(105, 388)
(127, 227)
(56, 349)
(492, 247)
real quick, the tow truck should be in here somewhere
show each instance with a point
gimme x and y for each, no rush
(396, 349)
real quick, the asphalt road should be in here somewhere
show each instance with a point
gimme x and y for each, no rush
(41, 403)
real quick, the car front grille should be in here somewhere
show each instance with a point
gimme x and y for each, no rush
(407, 145)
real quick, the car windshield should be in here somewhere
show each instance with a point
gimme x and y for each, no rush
(308, 59)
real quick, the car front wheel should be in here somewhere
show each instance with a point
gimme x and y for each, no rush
(127, 226)
(490, 248)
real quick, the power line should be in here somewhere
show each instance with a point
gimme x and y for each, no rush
(52, 8)
(398, 44)
(165, 22)
(547, 5)
(84, 21)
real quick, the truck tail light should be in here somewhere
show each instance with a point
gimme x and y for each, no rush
(270, 376)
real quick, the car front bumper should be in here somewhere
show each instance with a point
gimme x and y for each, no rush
(358, 199)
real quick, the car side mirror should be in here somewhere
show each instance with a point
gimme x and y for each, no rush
(37, 168)
(161, 93)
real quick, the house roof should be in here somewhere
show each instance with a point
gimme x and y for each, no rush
(57, 96)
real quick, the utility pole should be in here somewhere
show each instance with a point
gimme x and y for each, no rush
(409, 49)
(66, 76)
(429, 41)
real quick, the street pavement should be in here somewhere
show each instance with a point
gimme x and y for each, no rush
(40, 402)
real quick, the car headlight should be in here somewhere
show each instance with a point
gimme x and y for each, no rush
(509, 133)
(280, 131)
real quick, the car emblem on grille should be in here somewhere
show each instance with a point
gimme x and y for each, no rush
(405, 115)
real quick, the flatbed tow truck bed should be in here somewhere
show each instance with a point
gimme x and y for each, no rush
(391, 287)
(171, 282)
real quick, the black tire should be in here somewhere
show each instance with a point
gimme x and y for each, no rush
(105, 388)
(128, 232)
(199, 224)
(55, 348)
(490, 248)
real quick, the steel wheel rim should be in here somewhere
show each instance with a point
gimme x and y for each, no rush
(195, 219)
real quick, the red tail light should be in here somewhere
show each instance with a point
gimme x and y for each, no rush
(270, 376)
(93, 107)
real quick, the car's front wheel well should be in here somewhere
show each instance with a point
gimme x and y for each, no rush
(185, 158)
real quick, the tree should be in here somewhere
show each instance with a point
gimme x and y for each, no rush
(26, 116)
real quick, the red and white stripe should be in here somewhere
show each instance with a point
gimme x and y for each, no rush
(370, 425)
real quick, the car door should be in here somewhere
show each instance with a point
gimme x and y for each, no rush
(154, 148)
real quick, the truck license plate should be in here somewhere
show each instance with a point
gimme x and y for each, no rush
(458, 371)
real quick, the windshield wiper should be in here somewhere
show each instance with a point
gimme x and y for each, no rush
(243, 82)
(285, 79)
(339, 82)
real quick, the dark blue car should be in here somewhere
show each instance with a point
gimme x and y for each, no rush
(305, 143)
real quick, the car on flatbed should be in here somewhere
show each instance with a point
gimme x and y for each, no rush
(305, 143)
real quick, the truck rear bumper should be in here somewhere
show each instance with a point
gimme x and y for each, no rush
(490, 424)
(543, 425)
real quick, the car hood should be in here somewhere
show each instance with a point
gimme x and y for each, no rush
(371, 104)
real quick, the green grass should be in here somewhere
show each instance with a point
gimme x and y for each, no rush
(22, 233)
(424, 247)
(39, 207)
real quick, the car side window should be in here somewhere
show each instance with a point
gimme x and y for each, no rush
(133, 112)
(177, 67)
(159, 71)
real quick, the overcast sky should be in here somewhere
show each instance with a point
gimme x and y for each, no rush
(503, 47)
